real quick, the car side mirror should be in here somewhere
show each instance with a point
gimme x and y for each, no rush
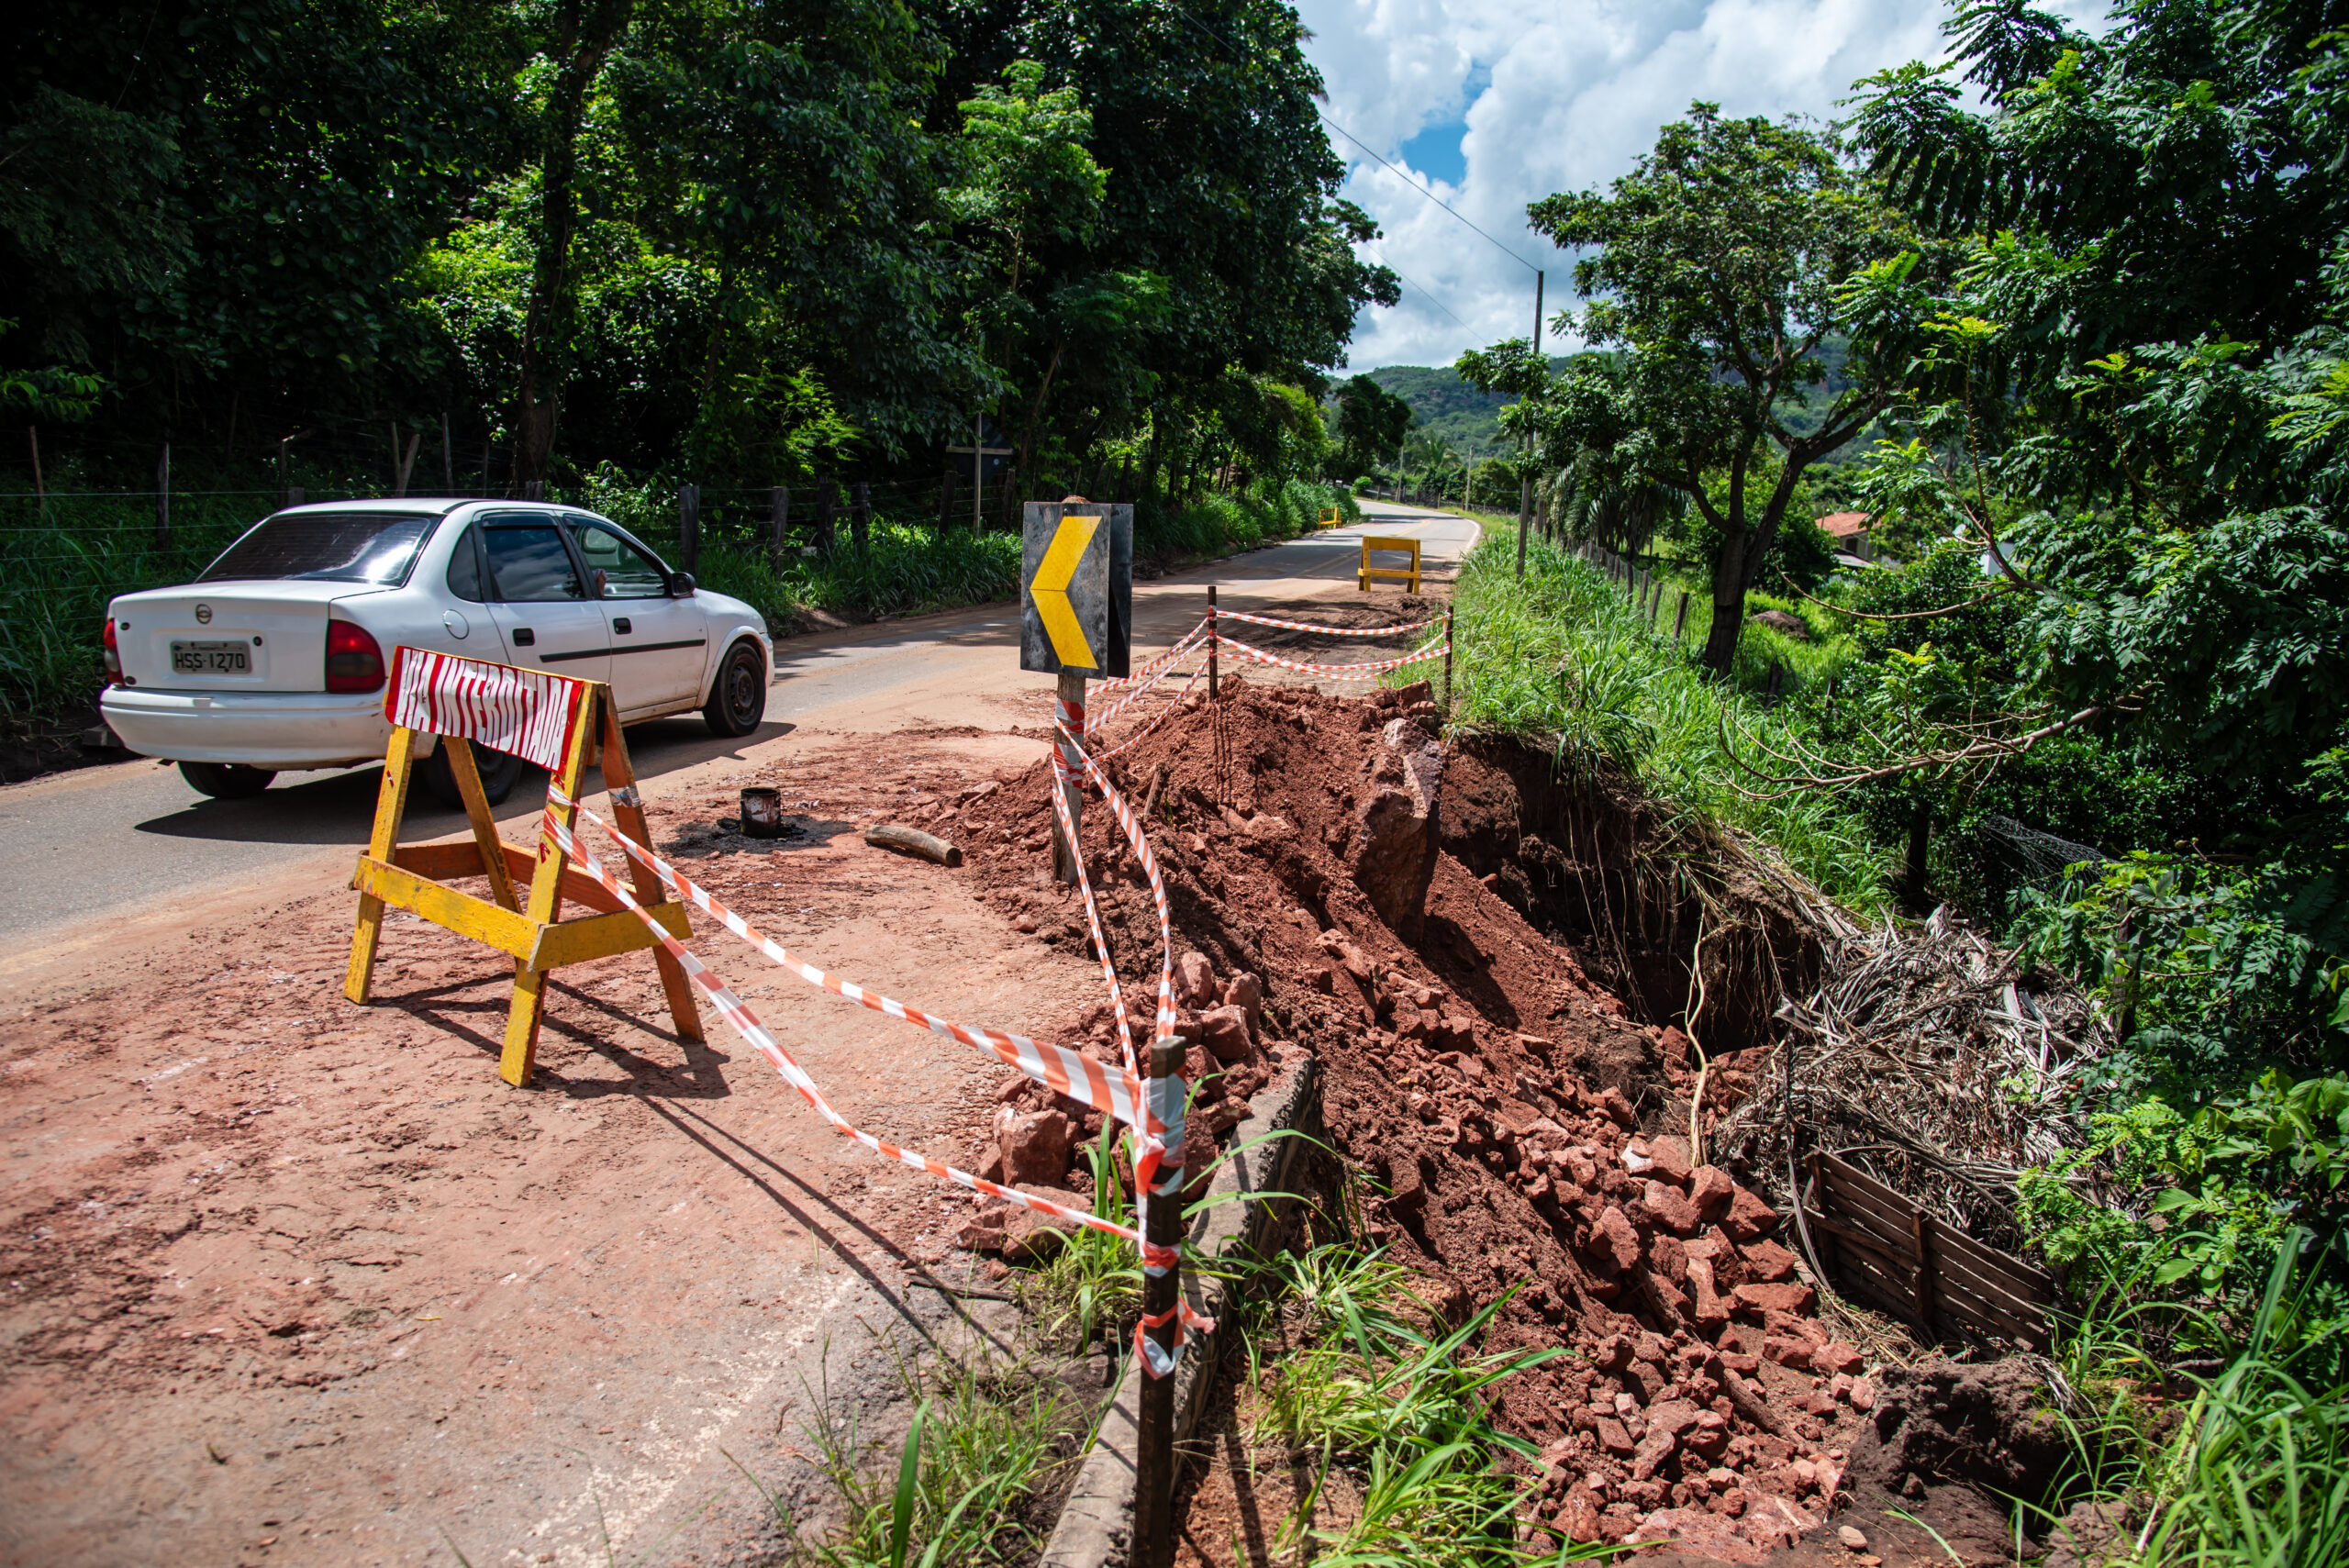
(681, 584)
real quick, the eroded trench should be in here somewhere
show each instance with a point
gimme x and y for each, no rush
(1492, 962)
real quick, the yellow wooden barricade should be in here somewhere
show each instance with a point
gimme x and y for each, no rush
(1389, 573)
(1331, 517)
(555, 721)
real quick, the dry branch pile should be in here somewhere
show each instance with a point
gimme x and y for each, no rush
(1922, 1060)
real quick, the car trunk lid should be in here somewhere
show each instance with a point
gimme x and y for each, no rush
(230, 636)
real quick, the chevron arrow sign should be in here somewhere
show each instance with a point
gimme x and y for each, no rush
(1075, 588)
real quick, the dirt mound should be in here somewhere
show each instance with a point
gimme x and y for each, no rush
(1521, 1128)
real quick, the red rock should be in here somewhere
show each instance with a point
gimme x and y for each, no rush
(1837, 1356)
(1786, 1352)
(1577, 1518)
(1671, 1207)
(1406, 1193)
(1035, 1146)
(980, 1235)
(1666, 1420)
(1767, 1262)
(1194, 981)
(1417, 1025)
(1863, 1393)
(1675, 1046)
(1224, 1031)
(1614, 1240)
(1614, 1438)
(1728, 1267)
(1671, 1157)
(1459, 1028)
(1669, 1257)
(1029, 1236)
(1710, 1310)
(1712, 1191)
(1788, 1298)
(1749, 1217)
(1618, 1110)
(1245, 992)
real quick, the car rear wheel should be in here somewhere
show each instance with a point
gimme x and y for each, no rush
(738, 698)
(500, 772)
(226, 780)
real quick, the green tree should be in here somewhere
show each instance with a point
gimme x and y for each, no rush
(1717, 267)
(1372, 422)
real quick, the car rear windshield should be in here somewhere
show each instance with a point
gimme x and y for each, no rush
(342, 547)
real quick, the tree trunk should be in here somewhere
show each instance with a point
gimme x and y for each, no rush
(1920, 840)
(582, 44)
(1729, 605)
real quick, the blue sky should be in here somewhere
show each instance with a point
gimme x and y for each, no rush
(1494, 104)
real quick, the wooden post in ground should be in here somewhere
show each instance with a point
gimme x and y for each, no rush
(1447, 661)
(1680, 615)
(1069, 709)
(689, 525)
(163, 490)
(860, 518)
(778, 522)
(1211, 643)
(1161, 1295)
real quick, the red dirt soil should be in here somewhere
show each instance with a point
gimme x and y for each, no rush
(1487, 1088)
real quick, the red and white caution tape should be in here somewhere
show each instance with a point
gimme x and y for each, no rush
(745, 1023)
(1328, 630)
(1062, 1070)
(1337, 672)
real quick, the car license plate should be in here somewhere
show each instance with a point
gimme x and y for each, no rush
(211, 659)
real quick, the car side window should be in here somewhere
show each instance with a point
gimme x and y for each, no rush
(465, 567)
(528, 564)
(629, 572)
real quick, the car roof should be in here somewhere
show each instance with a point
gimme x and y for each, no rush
(407, 506)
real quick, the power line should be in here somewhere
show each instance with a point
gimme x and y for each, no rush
(1428, 291)
(1430, 196)
(1366, 147)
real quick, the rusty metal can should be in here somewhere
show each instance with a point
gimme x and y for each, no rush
(761, 812)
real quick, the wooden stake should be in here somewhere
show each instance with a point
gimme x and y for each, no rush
(689, 525)
(1211, 643)
(1447, 661)
(1071, 695)
(1680, 616)
(1155, 1446)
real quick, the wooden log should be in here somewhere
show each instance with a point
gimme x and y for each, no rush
(914, 841)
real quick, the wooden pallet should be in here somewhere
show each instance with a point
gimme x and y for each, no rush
(1886, 1251)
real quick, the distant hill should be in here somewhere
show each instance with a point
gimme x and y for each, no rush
(1449, 406)
(1467, 417)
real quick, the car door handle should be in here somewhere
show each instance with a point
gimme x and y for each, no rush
(524, 638)
(620, 625)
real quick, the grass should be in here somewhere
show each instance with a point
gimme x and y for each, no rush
(984, 1440)
(2250, 1471)
(1095, 1278)
(1562, 656)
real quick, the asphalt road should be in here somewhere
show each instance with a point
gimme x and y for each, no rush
(84, 849)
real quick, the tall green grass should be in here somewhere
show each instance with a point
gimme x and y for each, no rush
(1563, 657)
(2250, 1471)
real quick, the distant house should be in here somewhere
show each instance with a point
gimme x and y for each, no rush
(1849, 531)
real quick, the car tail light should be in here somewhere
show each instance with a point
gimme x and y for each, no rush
(110, 661)
(354, 659)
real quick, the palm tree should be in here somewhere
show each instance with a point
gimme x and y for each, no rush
(1600, 498)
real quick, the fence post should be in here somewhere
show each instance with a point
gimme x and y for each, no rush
(1162, 1296)
(1777, 673)
(448, 456)
(1447, 660)
(1680, 616)
(163, 490)
(1212, 630)
(859, 519)
(535, 490)
(689, 525)
(778, 522)
(823, 530)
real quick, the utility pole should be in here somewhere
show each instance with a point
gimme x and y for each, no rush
(1525, 442)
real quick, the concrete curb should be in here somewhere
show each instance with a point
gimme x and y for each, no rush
(1095, 1527)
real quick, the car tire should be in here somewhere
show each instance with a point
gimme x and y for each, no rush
(226, 780)
(500, 772)
(738, 699)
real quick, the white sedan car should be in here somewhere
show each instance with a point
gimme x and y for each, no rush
(275, 658)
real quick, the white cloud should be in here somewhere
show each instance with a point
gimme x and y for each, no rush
(1577, 90)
